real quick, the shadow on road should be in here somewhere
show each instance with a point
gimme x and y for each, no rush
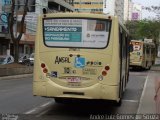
(83, 108)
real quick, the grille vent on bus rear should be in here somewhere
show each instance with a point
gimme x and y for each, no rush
(74, 93)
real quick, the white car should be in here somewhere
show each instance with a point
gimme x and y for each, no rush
(6, 59)
(31, 59)
(23, 58)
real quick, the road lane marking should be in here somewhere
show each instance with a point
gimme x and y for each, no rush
(42, 113)
(31, 111)
(39, 107)
(133, 101)
(46, 104)
(144, 88)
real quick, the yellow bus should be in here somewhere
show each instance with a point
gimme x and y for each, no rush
(143, 54)
(81, 56)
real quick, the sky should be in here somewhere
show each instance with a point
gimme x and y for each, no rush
(147, 3)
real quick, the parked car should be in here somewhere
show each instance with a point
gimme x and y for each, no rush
(30, 60)
(23, 58)
(6, 59)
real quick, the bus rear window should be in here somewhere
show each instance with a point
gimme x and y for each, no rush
(83, 33)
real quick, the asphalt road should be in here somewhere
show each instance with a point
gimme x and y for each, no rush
(16, 98)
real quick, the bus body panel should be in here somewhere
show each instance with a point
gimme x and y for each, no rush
(142, 55)
(65, 80)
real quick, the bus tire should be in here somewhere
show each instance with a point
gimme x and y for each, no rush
(63, 100)
(118, 103)
(59, 100)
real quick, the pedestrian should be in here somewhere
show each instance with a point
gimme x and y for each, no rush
(157, 94)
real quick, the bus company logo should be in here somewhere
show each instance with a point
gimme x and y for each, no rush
(79, 62)
(62, 60)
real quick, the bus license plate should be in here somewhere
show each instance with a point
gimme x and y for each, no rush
(73, 80)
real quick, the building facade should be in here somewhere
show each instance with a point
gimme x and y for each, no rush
(88, 6)
(111, 7)
(135, 11)
(4, 31)
(35, 8)
(126, 9)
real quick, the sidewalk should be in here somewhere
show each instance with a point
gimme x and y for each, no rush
(16, 76)
(15, 69)
(147, 104)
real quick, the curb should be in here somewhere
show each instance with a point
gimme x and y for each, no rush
(155, 68)
(16, 76)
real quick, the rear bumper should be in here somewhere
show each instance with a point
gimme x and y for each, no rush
(97, 91)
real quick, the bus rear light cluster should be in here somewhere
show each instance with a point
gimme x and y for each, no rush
(107, 68)
(100, 77)
(104, 72)
(43, 65)
(141, 57)
(45, 70)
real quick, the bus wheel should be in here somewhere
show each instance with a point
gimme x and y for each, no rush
(59, 100)
(63, 100)
(118, 103)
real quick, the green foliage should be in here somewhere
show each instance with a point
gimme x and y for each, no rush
(149, 29)
(144, 29)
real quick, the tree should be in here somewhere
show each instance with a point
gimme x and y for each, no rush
(14, 37)
(132, 27)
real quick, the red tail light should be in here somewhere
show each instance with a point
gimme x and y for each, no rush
(104, 73)
(107, 68)
(141, 57)
(43, 65)
(45, 70)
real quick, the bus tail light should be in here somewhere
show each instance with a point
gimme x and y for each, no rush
(104, 73)
(45, 70)
(107, 68)
(43, 65)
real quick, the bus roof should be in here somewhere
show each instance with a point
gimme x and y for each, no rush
(87, 15)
